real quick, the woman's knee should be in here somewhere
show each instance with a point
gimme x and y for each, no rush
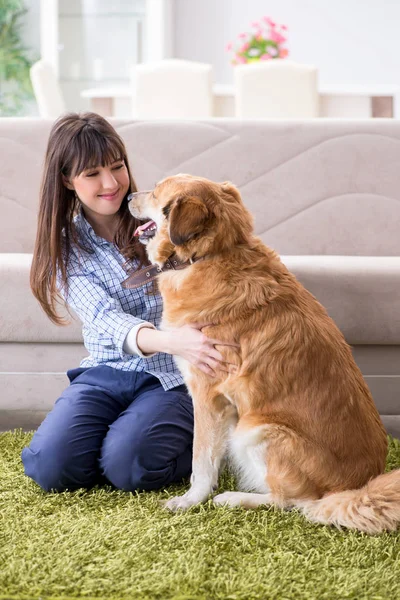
(53, 465)
(65, 450)
(140, 466)
(149, 445)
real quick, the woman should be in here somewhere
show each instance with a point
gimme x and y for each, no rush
(126, 417)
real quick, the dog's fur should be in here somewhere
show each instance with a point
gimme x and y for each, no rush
(297, 419)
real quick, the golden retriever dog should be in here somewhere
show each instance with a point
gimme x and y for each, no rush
(296, 419)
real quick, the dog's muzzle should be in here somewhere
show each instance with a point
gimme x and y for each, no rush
(148, 229)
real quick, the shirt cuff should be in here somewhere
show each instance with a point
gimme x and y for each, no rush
(130, 344)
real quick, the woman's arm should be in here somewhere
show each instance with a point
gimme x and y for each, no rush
(189, 343)
(99, 312)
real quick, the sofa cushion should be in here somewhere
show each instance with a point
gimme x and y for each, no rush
(21, 317)
(362, 294)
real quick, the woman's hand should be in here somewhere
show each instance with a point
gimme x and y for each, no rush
(190, 343)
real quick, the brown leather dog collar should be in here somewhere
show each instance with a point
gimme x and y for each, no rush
(149, 273)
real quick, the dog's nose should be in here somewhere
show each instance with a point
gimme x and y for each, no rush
(134, 195)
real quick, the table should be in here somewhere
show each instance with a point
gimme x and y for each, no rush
(340, 101)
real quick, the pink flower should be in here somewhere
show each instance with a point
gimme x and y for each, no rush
(248, 47)
(240, 59)
(277, 37)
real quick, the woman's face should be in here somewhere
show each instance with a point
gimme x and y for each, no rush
(101, 190)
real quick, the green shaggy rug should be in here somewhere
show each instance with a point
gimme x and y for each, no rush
(110, 544)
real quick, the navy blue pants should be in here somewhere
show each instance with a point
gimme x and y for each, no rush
(112, 426)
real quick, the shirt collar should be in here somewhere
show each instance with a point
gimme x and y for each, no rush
(84, 227)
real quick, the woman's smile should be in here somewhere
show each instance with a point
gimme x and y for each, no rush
(110, 196)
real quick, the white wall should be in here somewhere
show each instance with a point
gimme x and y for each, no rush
(351, 41)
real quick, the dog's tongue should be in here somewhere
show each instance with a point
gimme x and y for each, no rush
(142, 228)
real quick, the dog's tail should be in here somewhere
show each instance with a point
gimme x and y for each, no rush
(373, 508)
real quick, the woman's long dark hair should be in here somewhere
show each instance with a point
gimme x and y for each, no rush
(76, 142)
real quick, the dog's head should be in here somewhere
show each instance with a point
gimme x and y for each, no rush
(194, 215)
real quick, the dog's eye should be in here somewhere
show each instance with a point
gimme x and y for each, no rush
(167, 209)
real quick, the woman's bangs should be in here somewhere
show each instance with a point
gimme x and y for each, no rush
(94, 150)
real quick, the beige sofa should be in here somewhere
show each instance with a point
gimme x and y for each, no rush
(325, 195)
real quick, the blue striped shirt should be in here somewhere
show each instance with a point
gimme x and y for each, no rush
(108, 311)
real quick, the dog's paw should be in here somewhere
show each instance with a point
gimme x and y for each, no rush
(228, 499)
(178, 503)
(243, 499)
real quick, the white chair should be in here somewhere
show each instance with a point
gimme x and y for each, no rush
(277, 89)
(172, 88)
(47, 90)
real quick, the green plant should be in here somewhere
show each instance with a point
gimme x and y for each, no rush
(15, 85)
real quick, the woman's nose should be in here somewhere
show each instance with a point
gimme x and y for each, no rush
(108, 180)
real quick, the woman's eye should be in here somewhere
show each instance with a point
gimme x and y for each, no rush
(118, 167)
(91, 174)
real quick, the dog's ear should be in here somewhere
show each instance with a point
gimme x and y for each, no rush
(230, 189)
(187, 217)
